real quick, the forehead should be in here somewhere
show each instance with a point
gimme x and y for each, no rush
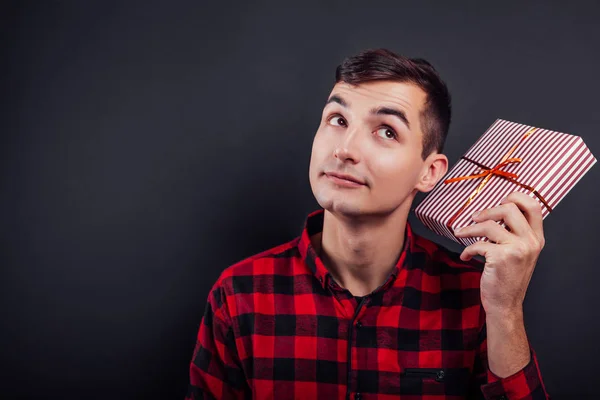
(407, 96)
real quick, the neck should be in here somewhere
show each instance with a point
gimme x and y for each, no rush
(361, 252)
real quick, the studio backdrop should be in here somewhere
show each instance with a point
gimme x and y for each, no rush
(146, 146)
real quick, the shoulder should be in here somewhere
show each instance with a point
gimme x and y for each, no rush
(241, 276)
(237, 286)
(456, 282)
(438, 259)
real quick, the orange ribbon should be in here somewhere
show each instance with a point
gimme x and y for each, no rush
(489, 173)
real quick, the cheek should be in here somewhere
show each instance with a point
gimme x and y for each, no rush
(318, 152)
(320, 147)
(386, 164)
(393, 170)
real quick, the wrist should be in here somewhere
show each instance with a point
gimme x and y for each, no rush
(507, 345)
(505, 316)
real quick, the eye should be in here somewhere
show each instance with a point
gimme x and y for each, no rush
(337, 120)
(386, 132)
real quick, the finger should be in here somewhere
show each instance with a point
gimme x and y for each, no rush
(531, 209)
(478, 248)
(511, 215)
(490, 229)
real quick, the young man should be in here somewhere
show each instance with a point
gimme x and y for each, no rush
(359, 306)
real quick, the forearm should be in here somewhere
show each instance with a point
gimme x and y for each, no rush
(507, 345)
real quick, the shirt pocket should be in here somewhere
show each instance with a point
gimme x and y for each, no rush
(435, 381)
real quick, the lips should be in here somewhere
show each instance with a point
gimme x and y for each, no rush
(346, 177)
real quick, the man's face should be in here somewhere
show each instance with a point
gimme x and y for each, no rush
(372, 134)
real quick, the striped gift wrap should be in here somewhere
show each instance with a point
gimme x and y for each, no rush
(542, 163)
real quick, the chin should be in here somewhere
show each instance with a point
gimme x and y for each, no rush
(336, 204)
(346, 209)
(352, 208)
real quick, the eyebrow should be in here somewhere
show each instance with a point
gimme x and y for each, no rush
(375, 111)
(337, 99)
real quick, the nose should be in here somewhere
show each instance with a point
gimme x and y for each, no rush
(347, 148)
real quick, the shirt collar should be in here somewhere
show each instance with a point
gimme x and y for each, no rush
(314, 225)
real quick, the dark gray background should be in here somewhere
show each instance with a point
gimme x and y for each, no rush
(146, 147)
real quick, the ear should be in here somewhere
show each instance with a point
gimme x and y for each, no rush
(434, 169)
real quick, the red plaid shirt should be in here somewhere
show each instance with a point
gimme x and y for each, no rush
(278, 326)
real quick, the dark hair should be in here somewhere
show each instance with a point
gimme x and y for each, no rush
(384, 65)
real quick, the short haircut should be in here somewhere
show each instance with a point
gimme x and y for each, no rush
(385, 65)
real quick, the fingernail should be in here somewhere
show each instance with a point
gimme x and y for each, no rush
(475, 214)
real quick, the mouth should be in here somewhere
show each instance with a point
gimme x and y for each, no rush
(344, 179)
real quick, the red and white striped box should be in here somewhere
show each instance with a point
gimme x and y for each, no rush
(509, 157)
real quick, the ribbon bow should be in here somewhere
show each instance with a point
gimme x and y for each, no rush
(488, 173)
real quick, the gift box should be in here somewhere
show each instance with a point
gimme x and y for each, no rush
(509, 157)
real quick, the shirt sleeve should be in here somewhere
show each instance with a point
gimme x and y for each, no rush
(526, 384)
(215, 369)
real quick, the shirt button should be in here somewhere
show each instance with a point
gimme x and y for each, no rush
(440, 375)
(357, 396)
(503, 397)
(359, 325)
